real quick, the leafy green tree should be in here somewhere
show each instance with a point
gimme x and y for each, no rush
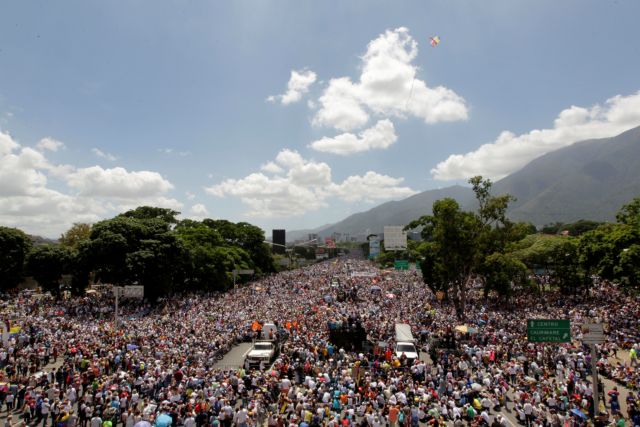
(14, 247)
(249, 238)
(501, 272)
(599, 250)
(581, 226)
(567, 273)
(537, 250)
(142, 249)
(457, 242)
(630, 213)
(611, 250)
(553, 228)
(201, 242)
(167, 216)
(74, 236)
(627, 271)
(159, 264)
(46, 264)
(80, 267)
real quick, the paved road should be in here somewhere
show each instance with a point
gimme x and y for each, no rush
(235, 358)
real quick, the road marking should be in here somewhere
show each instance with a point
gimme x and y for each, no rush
(246, 352)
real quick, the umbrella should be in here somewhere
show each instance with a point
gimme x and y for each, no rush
(476, 387)
(142, 424)
(391, 296)
(131, 346)
(164, 420)
(466, 329)
(375, 288)
(328, 298)
(579, 413)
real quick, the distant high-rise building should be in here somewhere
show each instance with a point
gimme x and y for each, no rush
(279, 241)
(313, 236)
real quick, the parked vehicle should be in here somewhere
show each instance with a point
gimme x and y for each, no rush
(405, 343)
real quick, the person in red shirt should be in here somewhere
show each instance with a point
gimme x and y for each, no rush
(393, 416)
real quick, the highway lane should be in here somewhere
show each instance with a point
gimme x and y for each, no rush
(234, 359)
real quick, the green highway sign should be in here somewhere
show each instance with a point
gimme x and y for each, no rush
(548, 330)
(401, 264)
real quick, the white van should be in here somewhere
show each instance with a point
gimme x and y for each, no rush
(405, 343)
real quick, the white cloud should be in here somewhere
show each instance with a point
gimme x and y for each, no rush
(381, 136)
(298, 85)
(98, 152)
(28, 202)
(387, 87)
(118, 183)
(190, 195)
(510, 152)
(301, 185)
(49, 144)
(370, 187)
(341, 107)
(271, 167)
(198, 212)
(7, 144)
(169, 151)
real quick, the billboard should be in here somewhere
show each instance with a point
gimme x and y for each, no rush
(395, 238)
(279, 241)
(321, 253)
(330, 242)
(374, 247)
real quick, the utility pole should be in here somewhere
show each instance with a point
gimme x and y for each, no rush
(594, 375)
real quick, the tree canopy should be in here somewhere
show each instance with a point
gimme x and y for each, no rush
(14, 247)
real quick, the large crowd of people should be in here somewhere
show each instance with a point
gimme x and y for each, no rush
(65, 363)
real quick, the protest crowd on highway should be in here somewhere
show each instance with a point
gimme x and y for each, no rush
(67, 364)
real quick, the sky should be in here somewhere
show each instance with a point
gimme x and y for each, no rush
(294, 114)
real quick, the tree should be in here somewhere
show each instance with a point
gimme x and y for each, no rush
(138, 249)
(457, 242)
(46, 264)
(627, 271)
(202, 243)
(612, 250)
(77, 234)
(629, 214)
(500, 272)
(537, 250)
(249, 238)
(567, 273)
(80, 267)
(14, 247)
(167, 216)
(599, 250)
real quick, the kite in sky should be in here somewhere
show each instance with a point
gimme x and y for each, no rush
(434, 41)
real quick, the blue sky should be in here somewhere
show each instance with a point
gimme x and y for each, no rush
(108, 105)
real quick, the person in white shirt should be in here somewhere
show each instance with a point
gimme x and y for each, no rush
(190, 421)
(240, 418)
(528, 413)
(96, 421)
(45, 408)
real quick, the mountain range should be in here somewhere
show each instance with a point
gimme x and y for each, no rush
(586, 180)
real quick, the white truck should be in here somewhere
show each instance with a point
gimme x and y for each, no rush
(265, 349)
(405, 343)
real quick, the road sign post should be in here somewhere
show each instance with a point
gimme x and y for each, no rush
(548, 330)
(592, 334)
